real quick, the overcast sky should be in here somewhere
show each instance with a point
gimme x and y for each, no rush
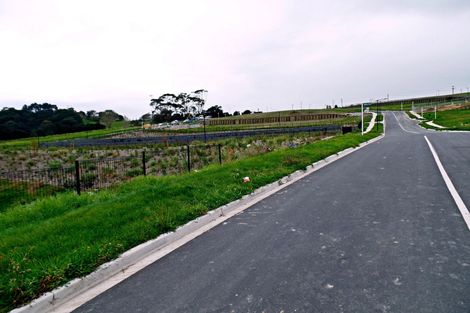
(256, 54)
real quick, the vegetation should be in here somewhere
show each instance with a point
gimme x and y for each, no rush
(169, 107)
(40, 120)
(117, 127)
(12, 194)
(451, 119)
(53, 240)
(112, 165)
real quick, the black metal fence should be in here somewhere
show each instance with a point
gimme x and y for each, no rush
(103, 172)
(95, 174)
(188, 138)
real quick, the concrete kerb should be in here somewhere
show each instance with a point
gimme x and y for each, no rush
(60, 296)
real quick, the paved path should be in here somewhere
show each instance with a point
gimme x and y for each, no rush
(372, 123)
(377, 231)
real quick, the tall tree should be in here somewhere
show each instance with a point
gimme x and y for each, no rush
(168, 106)
(215, 111)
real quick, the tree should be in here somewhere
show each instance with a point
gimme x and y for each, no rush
(41, 119)
(236, 113)
(246, 112)
(169, 107)
(92, 115)
(46, 128)
(146, 117)
(108, 117)
(215, 111)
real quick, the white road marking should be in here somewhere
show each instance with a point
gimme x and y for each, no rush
(458, 201)
(399, 124)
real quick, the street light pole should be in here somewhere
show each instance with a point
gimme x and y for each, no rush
(377, 111)
(204, 118)
(362, 118)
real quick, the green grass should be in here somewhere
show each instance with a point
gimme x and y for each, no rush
(32, 142)
(20, 193)
(392, 107)
(410, 115)
(53, 240)
(12, 194)
(451, 119)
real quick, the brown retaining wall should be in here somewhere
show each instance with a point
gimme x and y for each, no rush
(274, 119)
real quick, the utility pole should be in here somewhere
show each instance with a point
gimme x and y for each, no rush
(453, 87)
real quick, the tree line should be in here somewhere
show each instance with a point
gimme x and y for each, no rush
(170, 107)
(47, 119)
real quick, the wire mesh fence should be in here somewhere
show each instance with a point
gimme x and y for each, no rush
(100, 173)
(432, 106)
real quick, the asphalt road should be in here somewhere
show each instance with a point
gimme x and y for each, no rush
(376, 231)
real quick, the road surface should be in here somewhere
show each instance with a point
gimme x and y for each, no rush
(376, 231)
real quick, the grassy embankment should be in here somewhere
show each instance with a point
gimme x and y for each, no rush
(32, 142)
(53, 240)
(451, 119)
(160, 161)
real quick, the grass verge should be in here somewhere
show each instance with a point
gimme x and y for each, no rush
(53, 240)
(451, 119)
(34, 142)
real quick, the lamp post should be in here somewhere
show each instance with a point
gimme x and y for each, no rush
(204, 122)
(377, 112)
(362, 118)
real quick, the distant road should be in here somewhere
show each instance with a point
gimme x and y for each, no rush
(376, 231)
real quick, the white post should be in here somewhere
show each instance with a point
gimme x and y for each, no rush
(362, 118)
(402, 105)
(422, 112)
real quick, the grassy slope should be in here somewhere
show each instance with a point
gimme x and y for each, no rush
(452, 119)
(117, 127)
(12, 194)
(53, 240)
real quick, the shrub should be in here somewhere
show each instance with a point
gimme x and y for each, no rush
(134, 172)
(87, 180)
(54, 165)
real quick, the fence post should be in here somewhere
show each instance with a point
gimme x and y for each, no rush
(220, 154)
(77, 176)
(189, 158)
(143, 163)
